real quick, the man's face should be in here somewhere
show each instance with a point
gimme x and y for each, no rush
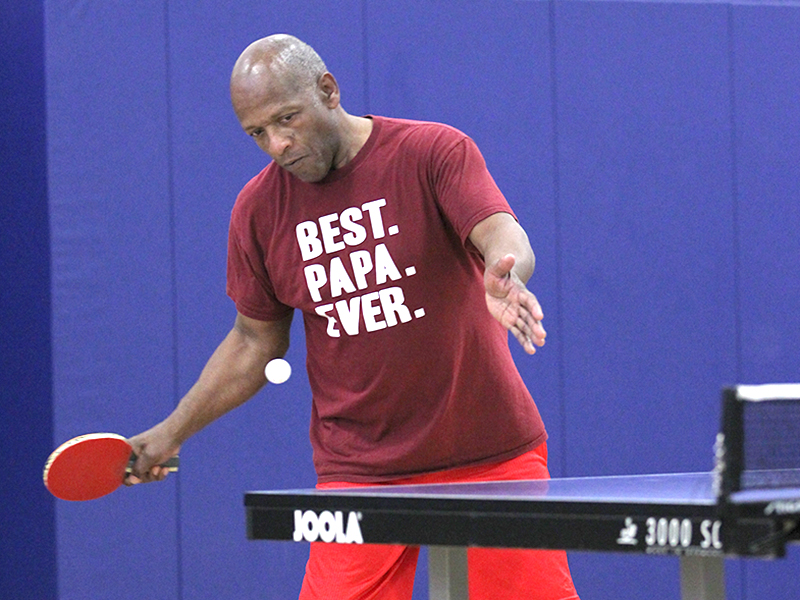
(294, 125)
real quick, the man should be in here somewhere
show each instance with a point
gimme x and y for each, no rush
(409, 268)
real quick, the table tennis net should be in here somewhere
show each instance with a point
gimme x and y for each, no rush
(759, 443)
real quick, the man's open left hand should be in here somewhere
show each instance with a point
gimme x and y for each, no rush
(513, 305)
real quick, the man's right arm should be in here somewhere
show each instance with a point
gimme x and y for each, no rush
(233, 374)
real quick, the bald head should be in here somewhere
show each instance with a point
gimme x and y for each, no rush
(278, 59)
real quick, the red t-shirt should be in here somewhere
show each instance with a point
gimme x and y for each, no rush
(408, 370)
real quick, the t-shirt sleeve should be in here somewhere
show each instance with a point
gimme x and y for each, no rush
(248, 284)
(465, 190)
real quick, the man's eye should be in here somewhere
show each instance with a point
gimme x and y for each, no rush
(256, 133)
(287, 118)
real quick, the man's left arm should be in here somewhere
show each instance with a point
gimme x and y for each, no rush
(509, 262)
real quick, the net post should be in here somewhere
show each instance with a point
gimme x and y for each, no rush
(729, 448)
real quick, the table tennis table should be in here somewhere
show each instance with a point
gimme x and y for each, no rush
(666, 514)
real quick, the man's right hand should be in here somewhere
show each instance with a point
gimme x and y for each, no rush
(152, 448)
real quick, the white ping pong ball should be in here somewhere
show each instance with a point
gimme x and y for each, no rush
(278, 370)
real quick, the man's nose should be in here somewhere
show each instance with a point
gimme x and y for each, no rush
(278, 143)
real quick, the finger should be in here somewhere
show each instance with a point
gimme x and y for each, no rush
(502, 266)
(525, 329)
(497, 286)
(535, 336)
(139, 470)
(159, 473)
(529, 332)
(531, 304)
(530, 325)
(520, 331)
(538, 333)
(525, 341)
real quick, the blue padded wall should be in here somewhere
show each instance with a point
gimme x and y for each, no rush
(27, 519)
(766, 78)
(647, 234)
(648, 148)
(113, 290)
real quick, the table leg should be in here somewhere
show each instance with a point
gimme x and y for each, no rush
(447, 573)
(702, 578)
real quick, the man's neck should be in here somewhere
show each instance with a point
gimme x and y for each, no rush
(357, 132)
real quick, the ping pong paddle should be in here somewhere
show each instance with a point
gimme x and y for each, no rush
(91, 466)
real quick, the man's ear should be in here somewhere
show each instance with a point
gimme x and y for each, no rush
(329, 90)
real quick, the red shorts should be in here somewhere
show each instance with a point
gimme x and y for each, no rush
(383, 572)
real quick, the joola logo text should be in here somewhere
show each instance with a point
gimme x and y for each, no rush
(327, 527)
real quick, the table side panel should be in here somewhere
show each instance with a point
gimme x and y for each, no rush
(670, 529)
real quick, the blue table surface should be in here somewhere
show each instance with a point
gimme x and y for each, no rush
(692, 488)
(664, 488)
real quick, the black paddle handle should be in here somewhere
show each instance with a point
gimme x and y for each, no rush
(171, 464)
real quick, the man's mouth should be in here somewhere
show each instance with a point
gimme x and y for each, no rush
(292, 162)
